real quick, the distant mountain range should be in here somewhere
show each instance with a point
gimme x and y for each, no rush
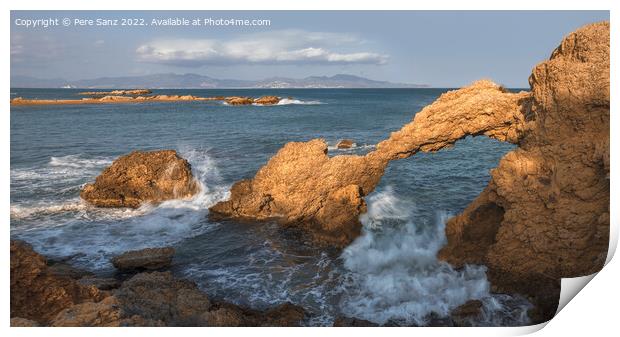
(195, 81)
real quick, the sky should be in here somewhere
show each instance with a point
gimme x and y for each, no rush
(437, 48)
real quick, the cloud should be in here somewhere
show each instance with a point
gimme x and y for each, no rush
(276, 47)
(35, 49)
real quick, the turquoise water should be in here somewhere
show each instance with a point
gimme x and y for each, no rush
(390, 274)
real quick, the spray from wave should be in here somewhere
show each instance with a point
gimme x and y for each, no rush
(290, 101)
(394, 275)
(67, 226)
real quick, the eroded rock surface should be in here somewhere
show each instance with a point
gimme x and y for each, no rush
(144, 259)
(302, 186)
(37, 294)
(142, 177)
(543, 216)
(545, 213)
(40, 298)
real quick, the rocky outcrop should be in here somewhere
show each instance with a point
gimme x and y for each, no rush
(543, 216)
(545, 213)
(267, 100)
(302, 186)
(37, 294)
(147, 299)
(345, 144)
(144, 259)
(142, 177)
(236, 100)
(122, 96)
(131, 92)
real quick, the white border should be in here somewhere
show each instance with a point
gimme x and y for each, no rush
(593, 311)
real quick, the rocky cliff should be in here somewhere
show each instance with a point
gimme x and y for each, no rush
(544, 214)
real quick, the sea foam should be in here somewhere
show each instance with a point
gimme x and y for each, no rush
(394, 274)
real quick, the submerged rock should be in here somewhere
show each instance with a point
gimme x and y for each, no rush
(144, 259)
(345, 144)
(228, 315)
(464, 314)
(142, 177)
(343, 321)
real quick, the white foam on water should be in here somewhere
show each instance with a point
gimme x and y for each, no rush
(290, 101)
(285, 101)
(355, 148)
(394, 274)
(69, 227)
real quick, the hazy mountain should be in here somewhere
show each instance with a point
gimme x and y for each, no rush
(191, 81)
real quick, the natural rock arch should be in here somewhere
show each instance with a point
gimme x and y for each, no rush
(545, 212)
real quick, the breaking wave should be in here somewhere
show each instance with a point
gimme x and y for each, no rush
(395, 276)
(71, 227)
(289, 101)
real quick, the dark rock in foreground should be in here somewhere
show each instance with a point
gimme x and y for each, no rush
(144, 259)
(464, 314)
(343, 321)
(142, 177)
(40, 297)
(37, 293)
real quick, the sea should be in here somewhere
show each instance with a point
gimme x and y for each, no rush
(389, 275)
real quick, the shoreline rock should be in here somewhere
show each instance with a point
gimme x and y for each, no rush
(141, 177)
(37, 294)
(39, 298)
(144, 259)
(116, 97)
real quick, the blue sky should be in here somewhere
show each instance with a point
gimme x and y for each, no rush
(439, 48)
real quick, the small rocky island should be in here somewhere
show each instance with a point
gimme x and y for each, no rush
(137, 96)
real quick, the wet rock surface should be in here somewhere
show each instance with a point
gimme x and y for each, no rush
(464, 314)
(144, 259)
(142, 177)
(343, 321)
(345, 144)
(40, 298)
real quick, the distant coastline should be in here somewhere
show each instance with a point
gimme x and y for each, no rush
(195, 81)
